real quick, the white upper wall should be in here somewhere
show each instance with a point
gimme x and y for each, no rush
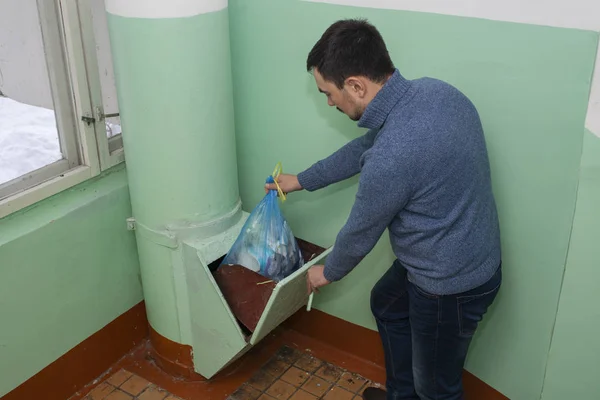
(582, 14)
(163, 8)
(577, 14)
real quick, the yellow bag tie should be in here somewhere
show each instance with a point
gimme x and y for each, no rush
(276, 172)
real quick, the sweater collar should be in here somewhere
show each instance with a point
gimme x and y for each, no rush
(388, 96)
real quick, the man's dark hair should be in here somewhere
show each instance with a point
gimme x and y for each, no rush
(350, 47)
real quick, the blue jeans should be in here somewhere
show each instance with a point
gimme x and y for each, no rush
(426, 336)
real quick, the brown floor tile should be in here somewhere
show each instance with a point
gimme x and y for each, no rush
(288, 355)
(295, 376)
(119, 395)
(352, 382)
(281, 390)
(308, 363)
(153, 393)
(135, 385)
(275, 367)
(265, 396)
(101, 391)
(316, 386)
(119, 377)
(330, 372)
(302, 395)
(246, 392)
(337, 393)
(261, 380)
(171, 397)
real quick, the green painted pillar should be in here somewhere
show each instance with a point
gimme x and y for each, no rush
(173, 72)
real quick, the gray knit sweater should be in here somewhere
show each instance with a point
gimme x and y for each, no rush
(424, 175)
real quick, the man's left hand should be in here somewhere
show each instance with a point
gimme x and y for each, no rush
(315, 278)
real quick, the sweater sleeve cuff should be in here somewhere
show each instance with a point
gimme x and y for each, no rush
(327, 273)
(337, 266)
(310, 180)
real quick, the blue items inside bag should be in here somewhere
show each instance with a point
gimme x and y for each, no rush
(266, 243)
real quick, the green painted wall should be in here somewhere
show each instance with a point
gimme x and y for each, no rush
(68, 266)
(530, 84)
(574, 360)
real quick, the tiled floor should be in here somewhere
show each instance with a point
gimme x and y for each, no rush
(295, 375)
(285, 365)
(123, 385)
(290, 374)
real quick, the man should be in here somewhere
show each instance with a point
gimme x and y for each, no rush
(425, 176)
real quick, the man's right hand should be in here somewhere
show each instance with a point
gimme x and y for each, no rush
(288, 184)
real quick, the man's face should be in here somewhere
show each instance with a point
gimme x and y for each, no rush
(346, 101)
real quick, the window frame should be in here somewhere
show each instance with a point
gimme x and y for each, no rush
(110, 149)
(68, 41)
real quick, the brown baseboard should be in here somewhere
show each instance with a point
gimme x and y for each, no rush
(174, 358)
(476, 389)
(338, 333)
(86, 361)
(344, 335)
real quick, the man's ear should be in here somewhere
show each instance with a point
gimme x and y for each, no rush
(356, 85)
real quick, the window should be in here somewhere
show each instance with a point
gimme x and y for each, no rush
(54, 132)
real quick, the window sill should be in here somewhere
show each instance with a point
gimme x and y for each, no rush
(44, 190)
